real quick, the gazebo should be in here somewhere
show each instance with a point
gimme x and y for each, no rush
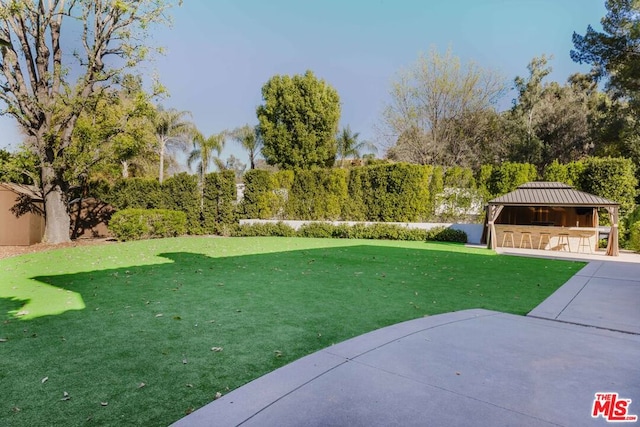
(549, 213)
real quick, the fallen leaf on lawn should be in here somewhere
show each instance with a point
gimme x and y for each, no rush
(218, 395)
(65, 396)
(15, 409)
(104, 403)
(184, 360)
(22, 313)
(44, 380)
(188, 411)
(141, 385)
(190, 385)
(216, 348)
(159, 315)
(4, 339)
(177, 318)
(278, 353)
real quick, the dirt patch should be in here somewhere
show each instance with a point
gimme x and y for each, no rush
(9, 251)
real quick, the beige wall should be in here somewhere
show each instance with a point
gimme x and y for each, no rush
(23, 231)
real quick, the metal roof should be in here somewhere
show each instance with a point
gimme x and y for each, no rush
(540, 193)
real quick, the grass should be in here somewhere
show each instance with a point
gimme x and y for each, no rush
(127, 330)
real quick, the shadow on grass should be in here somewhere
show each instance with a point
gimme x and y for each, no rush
(445, 279)
(146, 341)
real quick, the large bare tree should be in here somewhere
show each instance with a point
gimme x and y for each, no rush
(49, 77)
(429, 100)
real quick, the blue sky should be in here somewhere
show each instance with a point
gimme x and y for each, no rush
(220, 53)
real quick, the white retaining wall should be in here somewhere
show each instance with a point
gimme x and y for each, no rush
(474, 231)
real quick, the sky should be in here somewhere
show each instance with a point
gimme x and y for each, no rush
(219, 53)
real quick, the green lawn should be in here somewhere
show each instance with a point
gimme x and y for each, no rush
(127, 329)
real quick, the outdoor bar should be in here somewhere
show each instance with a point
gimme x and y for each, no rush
(550, 216)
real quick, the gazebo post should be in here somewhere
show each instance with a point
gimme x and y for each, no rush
(494, 211)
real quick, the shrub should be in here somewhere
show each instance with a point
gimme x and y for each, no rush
(136, 224)
(443, 234)
(181, 194)
(278, 229)
(317, 229)
(634, 237)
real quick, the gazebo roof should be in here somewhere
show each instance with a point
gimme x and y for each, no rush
(541, 193)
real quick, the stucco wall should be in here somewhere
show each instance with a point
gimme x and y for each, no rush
(25, 230)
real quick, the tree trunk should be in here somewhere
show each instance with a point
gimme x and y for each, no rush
(161, 173)
(57, 220)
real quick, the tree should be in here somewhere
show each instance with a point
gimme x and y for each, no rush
(551, 121)
(107, 141)
(299, 121)
(36, 83)
(173, 132)
(614, 53)
(349, 146)
(427, 102)
(249, 138)
(203, 149)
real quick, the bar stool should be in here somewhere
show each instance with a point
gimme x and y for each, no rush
(585, 242)
(544, 238)
(563, 239)
(524, 237)
(506, 236)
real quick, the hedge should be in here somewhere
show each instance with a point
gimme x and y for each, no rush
(136, 224)
(378, 231)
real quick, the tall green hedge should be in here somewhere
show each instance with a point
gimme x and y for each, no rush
(219, 201)
(181, 194)
(612, 178)
(494, 181)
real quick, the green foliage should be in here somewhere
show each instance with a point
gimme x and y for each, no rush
(219, 202)
(299, 121)
(498, 180)
(278, 229)
(258, 195)
(443, 234)
(136, 193)
(459, 177)
(377, 231)
(318, 194)
(181, 194)
(398, 192)
(436, 187)
(137, 224)
(358, 186)
(612, 178)
(20, 167)
(634, 237)
(568, 173)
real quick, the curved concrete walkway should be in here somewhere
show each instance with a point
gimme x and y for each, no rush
(473, 367)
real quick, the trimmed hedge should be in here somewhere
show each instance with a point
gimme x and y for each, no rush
(136, 224)
(634, 237)
(358, 231)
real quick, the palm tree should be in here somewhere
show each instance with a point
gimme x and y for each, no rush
(349, 146)
(249, 138)
(203, 153)
(172, 133)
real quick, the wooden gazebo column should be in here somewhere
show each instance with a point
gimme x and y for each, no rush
(494, 211)
(612, 246)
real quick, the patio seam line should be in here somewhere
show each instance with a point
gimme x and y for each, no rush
(452, 391)
(601, 328)
(492, 313)
(577, 293)
(346, 360)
